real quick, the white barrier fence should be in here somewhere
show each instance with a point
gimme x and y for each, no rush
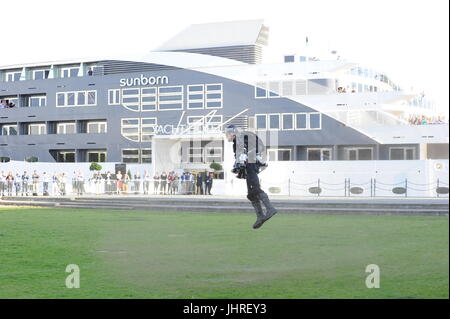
(419, 178)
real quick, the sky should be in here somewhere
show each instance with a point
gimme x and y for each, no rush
(406, 39)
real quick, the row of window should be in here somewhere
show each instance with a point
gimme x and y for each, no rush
(76, 98)
(351, 154)
(199, 96)
(41, 74)
(136, 155)
(276, 89)
(289, 121)
(61, 128)
(138, 130)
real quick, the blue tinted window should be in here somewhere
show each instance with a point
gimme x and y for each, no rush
(214, 104)
(261, 122)
(196, 105)
(171, 98)
(288, 121)
(260, 92)
(149, 99)
(170, 106)
(196, 96)
(214, 96)
(289, 58)
(213, 87)
(300, 121)
(176, 89)
(314, 120)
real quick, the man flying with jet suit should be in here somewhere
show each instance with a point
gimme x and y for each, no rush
(250, 160)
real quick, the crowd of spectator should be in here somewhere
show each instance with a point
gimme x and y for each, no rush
(57, 184)
(424, 120)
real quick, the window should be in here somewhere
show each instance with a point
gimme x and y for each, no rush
(278, 154)
(195, 154)
(37, 129)
(146, 155)
(195, 123)
(148, 99)
(261, 121)
(131, 99)
(213, 154)
(213, 122)
(196, 96)
(40, 74)
(319, 154)
(402, 153)
(96, 127)
(37, 101)
(9, 129)
(289, 58)
(65, 156)
(274, 89)
(130, 155)
(69, 72)
(114, 97)
(260, 90)
(170, 98)
(96, 156)
(288, 121)
(130, 129)
(13, 76)
(315, 121)
(213, 96)
(301, 121)
(66, 128)
(148, 126)
(359, 154)
(77, 98)
(274, 121)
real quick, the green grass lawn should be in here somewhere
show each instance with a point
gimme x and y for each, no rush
(137, 254)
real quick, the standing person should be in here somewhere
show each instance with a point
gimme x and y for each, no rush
(62, 184)
(98, 183)
(35, 179)
(163, 183)
(55, 185)
(155, 183)
(75, 183)
(147, 179)
(137, 183)
(175, 182)
(108, 183)
(10, 183)
(250, 155)
(80, 183)
(170, 179)
(199, 184)
(45, 181)
(119, 182)
(17, 183)
(126, 182)
(2, 183)
(208, 183)
(25, 181)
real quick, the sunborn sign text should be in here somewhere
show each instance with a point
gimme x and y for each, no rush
(143, 80)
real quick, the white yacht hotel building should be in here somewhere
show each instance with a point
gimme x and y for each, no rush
(166, 110)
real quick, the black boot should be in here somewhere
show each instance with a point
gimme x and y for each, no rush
(259, 214)
(270, 210)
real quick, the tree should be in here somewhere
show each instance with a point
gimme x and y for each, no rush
(216, 166)
(95, 167)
